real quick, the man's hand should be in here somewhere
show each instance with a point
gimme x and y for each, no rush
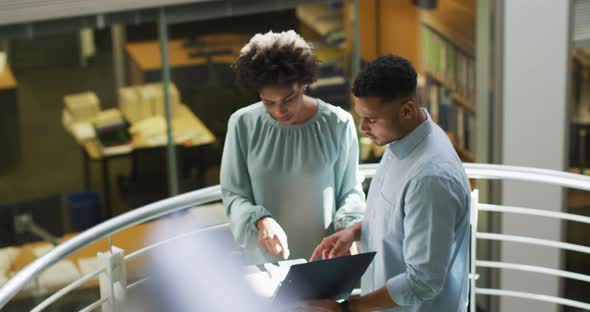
(271, 237)
(322, 306)
(335, 245)
(311, 306)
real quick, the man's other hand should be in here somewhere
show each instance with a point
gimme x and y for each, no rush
(335, 245)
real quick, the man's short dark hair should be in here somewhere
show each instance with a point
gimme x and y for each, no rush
(276, 59)
(389, 77)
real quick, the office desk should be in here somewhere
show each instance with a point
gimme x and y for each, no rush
(7, 80)
(183, 122)
(144, 59)
(9, 120)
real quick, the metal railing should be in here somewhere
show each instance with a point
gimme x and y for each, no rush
(551, 177)
(524, 267)
(211, 194)
(104, 230)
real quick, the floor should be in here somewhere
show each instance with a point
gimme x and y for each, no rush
(47, 69)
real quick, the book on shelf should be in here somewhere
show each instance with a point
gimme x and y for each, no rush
(460, 126)
(470, 134)
(445, 107)
(432, 102)
(325, 20)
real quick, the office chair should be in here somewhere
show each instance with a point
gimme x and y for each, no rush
(31, 220)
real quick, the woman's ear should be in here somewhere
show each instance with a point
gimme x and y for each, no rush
(307, 88)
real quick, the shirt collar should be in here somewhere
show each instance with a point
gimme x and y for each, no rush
(404, 146)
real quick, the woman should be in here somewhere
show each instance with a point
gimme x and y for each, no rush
(289, 166)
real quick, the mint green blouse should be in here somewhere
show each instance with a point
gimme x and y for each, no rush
(305, 176)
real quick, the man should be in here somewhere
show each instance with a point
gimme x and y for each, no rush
(417, 215)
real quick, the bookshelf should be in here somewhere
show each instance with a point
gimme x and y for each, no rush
(579, 130)
(449, 89)
(323, 25)
(447, 39)
(440, 44)
(460, 99)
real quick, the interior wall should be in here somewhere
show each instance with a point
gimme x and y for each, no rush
(534, 75)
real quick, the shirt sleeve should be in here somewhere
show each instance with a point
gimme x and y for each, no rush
(350, 197)
(236, 188)
(432, 206)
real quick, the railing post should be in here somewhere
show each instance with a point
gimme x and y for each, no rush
(113, 282)
(473, 276)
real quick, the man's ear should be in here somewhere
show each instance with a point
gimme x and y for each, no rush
(407, 110)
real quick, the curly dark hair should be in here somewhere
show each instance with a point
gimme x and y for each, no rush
(276, 59)
(389, 77)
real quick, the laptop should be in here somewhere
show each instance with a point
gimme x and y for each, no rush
(324, 279)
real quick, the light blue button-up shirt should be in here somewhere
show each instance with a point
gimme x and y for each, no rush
(305, 176)
(417, 220)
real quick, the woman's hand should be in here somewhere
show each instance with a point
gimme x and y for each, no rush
(271, 237)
